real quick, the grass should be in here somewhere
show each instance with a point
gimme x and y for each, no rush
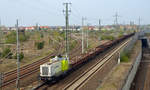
(125, 55)
(72, 45)
(124, 58)
(10, 65)
(117, 77)
(11, 37)
(52, 40)
(107, 37)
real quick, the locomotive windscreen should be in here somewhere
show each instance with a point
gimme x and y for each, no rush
(44, 71)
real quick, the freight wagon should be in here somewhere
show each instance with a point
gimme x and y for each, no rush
(59, 66)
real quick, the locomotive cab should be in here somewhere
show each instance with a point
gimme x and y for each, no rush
(54, 68)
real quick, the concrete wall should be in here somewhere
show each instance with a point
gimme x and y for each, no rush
(135, 65)
(131, 44)
(132, 72)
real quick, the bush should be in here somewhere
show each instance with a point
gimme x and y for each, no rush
(40, 45)
(41, 35)
(105, 37)
(124, 57)
(11, 37)
(6, 52)
(22, 38)
(21, 56)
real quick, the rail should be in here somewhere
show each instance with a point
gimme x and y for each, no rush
(77, 83)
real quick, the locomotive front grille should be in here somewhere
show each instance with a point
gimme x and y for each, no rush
(44, 71)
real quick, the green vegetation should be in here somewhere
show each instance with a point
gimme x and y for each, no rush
(6, 53)
(62, 34)
(72, 45)
(11, 37)
(147, 34)
(21, 56)
(107, 37)
(121, 33)
(40, 45)
(0, 54)
(58, 34)
(125, 55)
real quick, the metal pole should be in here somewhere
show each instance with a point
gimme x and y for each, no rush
(18, 61)
(87, 36)
(83, 34)
(37, 26)
(1, 81)
(139, 23)
(67, 30)
(0, 32)
(99, 28)
(99, 25)
(67, 27)
(116, 20)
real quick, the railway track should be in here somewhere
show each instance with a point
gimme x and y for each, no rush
(79, 82)
(10, 77)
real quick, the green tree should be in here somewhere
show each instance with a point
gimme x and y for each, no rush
(6, 52)
(40, 45)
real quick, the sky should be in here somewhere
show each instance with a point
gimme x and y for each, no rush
(49, 12)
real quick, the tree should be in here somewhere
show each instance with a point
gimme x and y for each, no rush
(40, 45)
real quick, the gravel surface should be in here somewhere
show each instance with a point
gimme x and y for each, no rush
(101, 74)
(117, 76)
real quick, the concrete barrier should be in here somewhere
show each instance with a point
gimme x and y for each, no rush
(132, 72)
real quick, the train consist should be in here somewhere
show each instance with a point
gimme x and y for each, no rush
(59, 66)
